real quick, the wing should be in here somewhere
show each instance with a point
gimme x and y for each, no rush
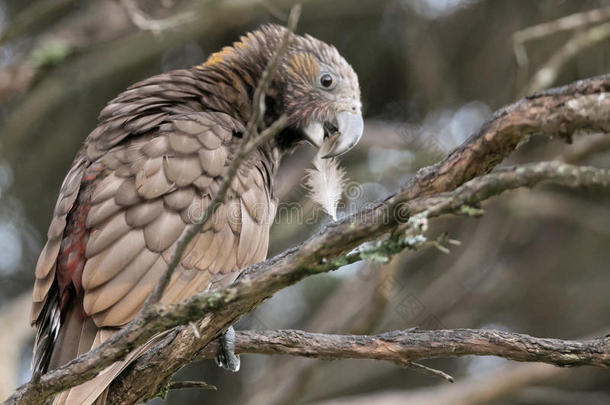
(154, 189)
(150, 189)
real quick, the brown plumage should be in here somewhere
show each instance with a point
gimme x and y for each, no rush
(151, 167)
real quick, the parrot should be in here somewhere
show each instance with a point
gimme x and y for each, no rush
(150, 168)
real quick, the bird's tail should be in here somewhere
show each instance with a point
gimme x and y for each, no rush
(78, 336)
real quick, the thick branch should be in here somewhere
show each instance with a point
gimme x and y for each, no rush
(406, 346)
(582, 106)
(270, 274)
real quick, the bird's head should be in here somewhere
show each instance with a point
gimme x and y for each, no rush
(321, 94)
(313, 85)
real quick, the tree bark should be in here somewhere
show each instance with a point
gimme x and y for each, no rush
(402, 347)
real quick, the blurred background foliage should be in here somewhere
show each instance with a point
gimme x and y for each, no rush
(431, 72)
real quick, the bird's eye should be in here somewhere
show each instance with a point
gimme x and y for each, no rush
(326, 80)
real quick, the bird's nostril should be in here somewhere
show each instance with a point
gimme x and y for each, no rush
(354, 109)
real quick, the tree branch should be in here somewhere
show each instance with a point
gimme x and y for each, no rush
(567, 23)
(579, 107)
(412, 345)
(546, 75)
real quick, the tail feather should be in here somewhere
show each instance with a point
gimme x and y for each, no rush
(95, 390)
(47, 323)
(75, 338)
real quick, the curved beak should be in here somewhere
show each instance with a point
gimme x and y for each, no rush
(349, 131)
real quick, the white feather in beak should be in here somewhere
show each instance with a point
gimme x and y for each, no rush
(325, 182)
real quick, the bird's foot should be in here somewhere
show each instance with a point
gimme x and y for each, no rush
(226, 357)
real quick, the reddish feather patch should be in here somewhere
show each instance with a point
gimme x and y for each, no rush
(71, 259)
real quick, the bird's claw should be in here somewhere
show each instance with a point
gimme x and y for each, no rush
(226, 357)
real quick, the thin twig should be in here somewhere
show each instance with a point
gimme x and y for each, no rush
(548, 72)
(156, 26)
(420, 368)
(251, 140)
(258, 100)
(566, 23)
